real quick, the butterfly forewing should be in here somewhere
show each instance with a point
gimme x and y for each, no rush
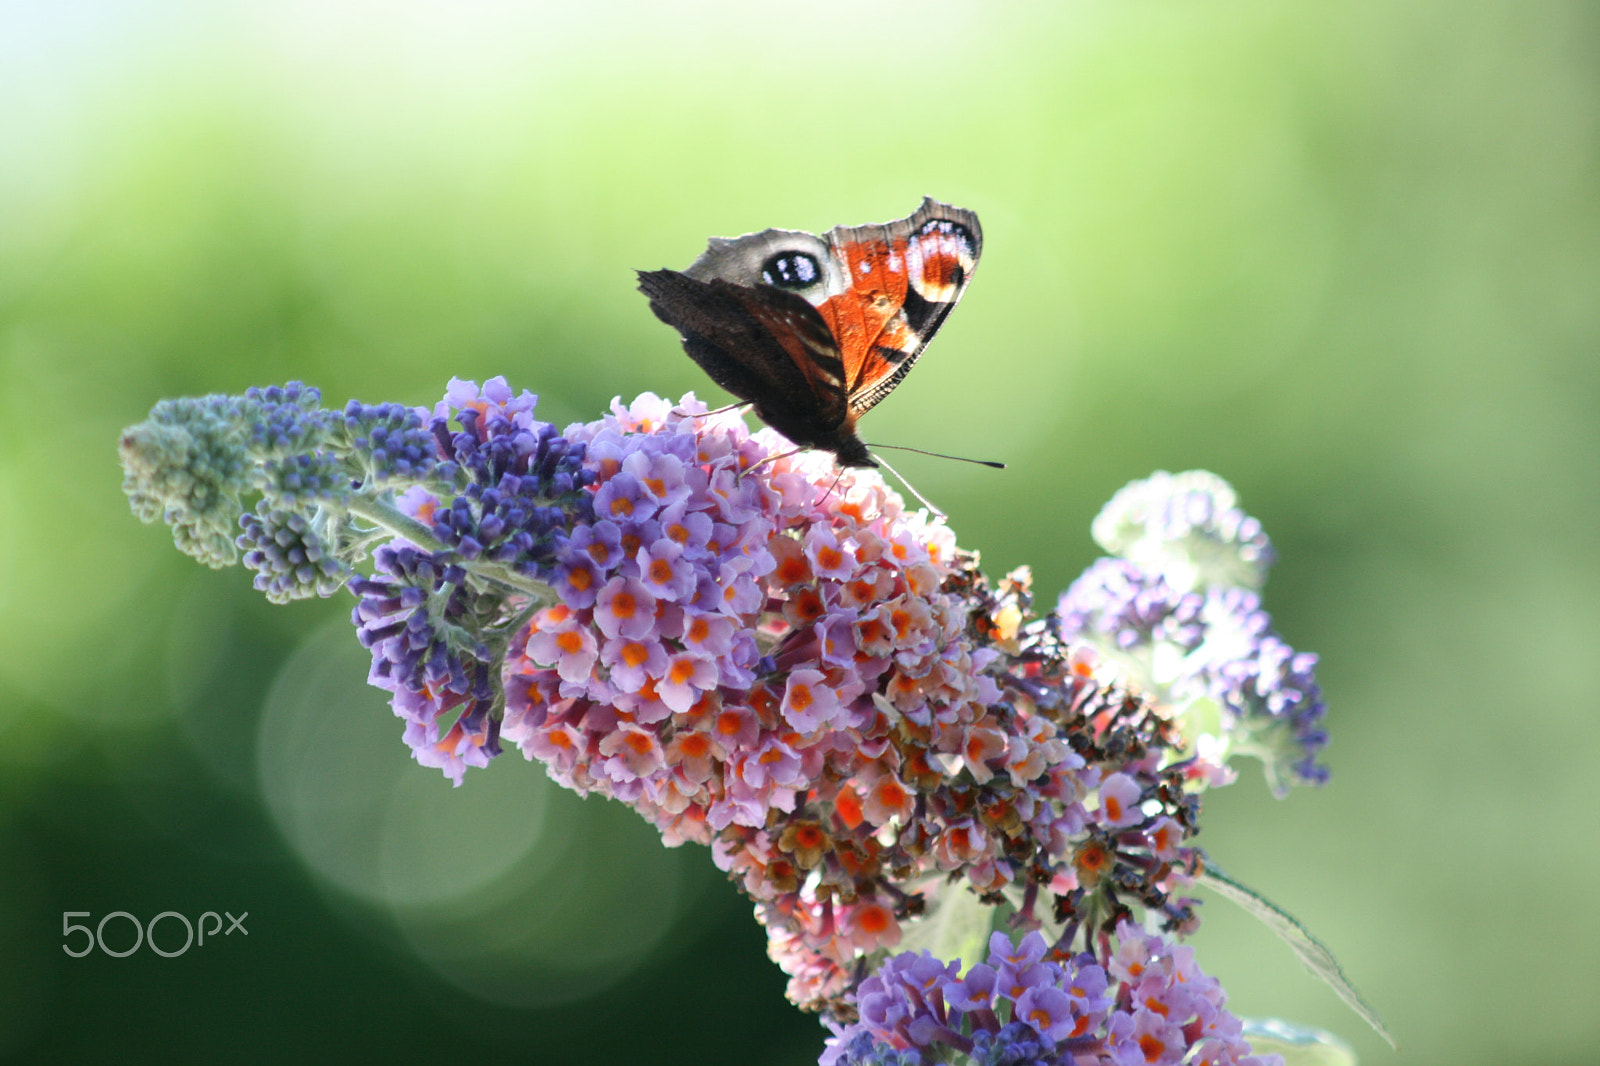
(792, 260)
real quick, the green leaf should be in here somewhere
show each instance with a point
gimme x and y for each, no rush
(957, 926)
(1311, 952)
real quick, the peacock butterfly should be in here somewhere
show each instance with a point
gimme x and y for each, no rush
(815, 330)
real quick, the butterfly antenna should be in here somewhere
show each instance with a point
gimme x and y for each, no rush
(902, 479)
(939, 455)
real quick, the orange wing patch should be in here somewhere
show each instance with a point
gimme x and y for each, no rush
(867, 318)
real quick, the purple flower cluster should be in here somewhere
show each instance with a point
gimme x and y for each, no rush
(394, 441)
(290, 560)
(770, 656)
(1177, 614)
(1130, 608)
(438, 635)
(1188, 526)
(419, 618)
(519, 481)
(1268, 688)
(287, 419)
(1145, 1004)
(288, 431)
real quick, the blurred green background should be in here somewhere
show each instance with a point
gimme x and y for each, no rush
(1346, 255)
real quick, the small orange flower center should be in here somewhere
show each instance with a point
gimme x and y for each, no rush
(808, 836)
(1153, 1049)
(872, 919)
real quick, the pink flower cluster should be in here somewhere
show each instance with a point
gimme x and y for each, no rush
(723, 630)
(759, 652)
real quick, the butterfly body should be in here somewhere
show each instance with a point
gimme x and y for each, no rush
(815, 330)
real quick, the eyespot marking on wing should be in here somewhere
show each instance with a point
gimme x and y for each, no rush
(791, 270)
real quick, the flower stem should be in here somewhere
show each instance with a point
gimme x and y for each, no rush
(386, 514)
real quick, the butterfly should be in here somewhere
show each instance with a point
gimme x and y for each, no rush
(813, 331)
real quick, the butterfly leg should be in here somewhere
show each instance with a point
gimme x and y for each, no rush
(902, 479)
(711, 414)
(836, 479)
(769, 459)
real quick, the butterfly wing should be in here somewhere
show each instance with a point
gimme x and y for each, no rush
(814, 331)
(763, 344)
(905, 277)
